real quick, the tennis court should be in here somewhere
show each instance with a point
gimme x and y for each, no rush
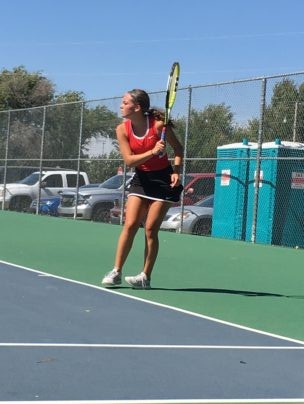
(223, 322)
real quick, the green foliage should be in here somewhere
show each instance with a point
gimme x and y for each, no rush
(21, 89)
(100, 121)
(61, 119)
(207, 129)
(279, 115)
(103, 167)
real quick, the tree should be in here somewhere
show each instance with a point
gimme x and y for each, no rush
(299, 116)
(60, 115)
(63, 127)
(103, 167)
(21, 89)
(283, 117)
(207, 129)
(279, 115)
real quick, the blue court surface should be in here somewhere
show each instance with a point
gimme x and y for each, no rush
(66, 342)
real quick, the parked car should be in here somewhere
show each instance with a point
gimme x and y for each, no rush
(18, 196)
(95, 203)
(94, 185)
(197, 186)
(197, 218)
(115, 212)
(47, 206)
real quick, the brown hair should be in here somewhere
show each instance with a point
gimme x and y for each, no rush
(142, 98)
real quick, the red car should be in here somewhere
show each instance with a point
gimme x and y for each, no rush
(196, 187)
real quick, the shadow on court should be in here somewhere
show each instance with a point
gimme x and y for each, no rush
(246, 293)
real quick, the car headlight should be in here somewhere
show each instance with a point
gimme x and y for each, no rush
(183, 216)
(83, 199)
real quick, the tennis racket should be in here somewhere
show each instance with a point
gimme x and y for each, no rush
(172, 85)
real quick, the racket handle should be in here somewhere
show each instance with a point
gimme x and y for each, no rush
(163, 134)
(163, 137)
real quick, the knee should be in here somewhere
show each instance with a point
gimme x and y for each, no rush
(151, 232)
(131, 227)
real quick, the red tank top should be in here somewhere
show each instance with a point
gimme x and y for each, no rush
(144, 143)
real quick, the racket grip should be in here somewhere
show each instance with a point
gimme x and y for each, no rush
(163, 134)
(163, 137)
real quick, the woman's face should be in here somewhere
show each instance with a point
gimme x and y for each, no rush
(128, 107)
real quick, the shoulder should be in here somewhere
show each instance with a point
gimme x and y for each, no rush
(120, 127)
(121, 130)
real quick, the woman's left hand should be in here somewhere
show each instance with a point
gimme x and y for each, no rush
(175, 181)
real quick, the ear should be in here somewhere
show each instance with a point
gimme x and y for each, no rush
(137, 108)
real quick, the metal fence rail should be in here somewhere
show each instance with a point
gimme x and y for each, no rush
(251, 129)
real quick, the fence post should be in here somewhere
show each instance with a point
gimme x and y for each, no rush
(185, 153)
(6, 156)
(41, 159)
(258, 160)
(78, 158)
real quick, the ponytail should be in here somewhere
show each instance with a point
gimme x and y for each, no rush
(142, 98)
(159, 115)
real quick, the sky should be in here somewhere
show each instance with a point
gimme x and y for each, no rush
(104, 48)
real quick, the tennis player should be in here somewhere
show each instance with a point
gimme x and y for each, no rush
(155, 184)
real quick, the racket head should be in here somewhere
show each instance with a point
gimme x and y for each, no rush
(172, 86)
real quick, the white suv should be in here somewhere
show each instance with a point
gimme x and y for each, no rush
(18, 196)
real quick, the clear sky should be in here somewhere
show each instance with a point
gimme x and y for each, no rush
(106, 47)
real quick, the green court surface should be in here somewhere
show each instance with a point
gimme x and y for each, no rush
(256, 286)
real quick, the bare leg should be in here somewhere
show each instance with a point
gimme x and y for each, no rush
(136, 209)
(155, 216)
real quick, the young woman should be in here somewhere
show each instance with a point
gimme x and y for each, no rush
(154, 186)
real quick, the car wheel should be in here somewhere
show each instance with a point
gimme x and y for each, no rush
(20, 203)
(101, 213)
(203, 227)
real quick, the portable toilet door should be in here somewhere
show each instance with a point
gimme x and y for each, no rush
(230, 196)
(275, 211)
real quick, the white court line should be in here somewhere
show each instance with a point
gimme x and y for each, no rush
(194, 401)
(215, 320)
(145, 346)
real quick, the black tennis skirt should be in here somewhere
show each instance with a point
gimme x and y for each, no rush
(155, 185)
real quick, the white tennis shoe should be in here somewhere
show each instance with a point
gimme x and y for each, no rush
(139, 281)
(112, 278)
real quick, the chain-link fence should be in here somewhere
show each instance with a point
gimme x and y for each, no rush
(243, 145)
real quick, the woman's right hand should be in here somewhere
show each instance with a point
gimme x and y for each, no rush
(159, 148)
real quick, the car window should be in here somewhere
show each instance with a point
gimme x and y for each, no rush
(72, 180)
(30, 179)
(203, 186)
(114, 182)
(90, 186)
(188, 178)
(53, 181)
(206, 203)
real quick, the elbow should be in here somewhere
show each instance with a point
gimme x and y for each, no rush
(129, 162)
